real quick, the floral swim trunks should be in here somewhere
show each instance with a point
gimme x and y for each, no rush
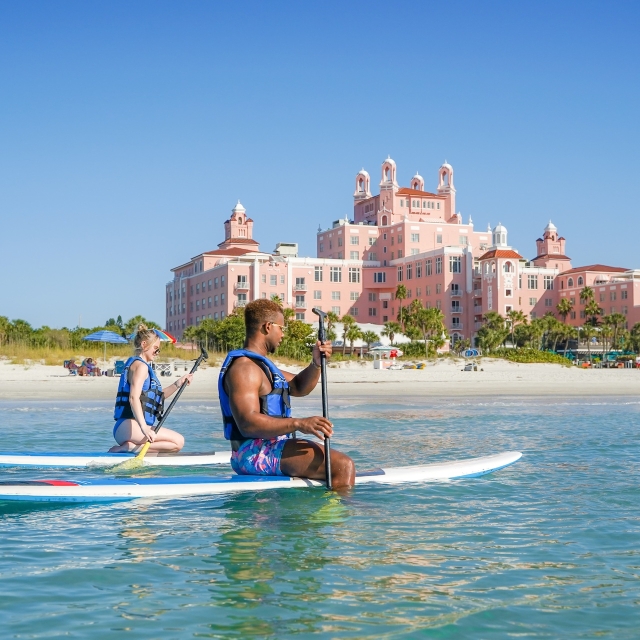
(259, 457)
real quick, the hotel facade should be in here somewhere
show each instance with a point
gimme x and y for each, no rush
(401, 235)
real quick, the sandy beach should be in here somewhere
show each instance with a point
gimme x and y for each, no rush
(445, 378)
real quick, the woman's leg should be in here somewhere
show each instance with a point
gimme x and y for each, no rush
(129, 437)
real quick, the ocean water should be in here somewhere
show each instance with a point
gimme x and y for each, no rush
(547, 548)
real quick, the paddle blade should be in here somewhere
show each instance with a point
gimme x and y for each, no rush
(133, 463)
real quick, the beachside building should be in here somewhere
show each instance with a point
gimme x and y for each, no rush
(402, 235)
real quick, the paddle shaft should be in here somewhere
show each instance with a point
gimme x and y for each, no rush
(325, 396)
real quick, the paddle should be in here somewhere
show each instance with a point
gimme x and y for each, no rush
(136, 462)
(325, 399)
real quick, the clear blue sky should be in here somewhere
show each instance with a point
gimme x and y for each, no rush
(128, 130)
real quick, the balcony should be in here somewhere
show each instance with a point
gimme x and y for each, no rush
(240, 303)
(456, 309)
(300, 305)
(477, 325)
(455, 293)
(243, 285)
(300, 287)
(477, 293)
(456, 327)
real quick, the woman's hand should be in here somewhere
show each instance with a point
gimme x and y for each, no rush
(186, 379)
(149, 434)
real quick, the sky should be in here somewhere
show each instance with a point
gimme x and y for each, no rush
(129, 130)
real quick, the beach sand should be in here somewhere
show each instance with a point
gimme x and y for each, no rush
(444, 378)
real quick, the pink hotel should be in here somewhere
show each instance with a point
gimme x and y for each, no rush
(402, 235)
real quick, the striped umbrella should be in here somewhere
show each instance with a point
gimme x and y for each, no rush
(164, 336)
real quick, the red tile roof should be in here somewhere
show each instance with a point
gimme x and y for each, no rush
(231, 251)
(596, 267)
(549, 256)
(502, 253)
(405, 191)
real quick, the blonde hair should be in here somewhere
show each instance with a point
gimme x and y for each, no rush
(144, 335)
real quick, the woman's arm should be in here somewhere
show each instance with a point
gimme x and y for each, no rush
(171, 389)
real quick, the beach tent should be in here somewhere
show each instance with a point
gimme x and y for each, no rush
(106, 336)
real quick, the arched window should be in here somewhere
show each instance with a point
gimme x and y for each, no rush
(580, 281)
(387, 174)
(570, 282)
(361, 185)
(384, 221)
(239, 219)
(493, 267)
(508, 267)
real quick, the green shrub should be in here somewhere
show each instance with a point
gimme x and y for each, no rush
(529, 355)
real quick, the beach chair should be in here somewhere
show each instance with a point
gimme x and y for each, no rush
(72, 372)
(118, 367)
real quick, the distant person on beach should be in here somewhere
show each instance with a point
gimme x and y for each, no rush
(254, 397)
(89, 368)
(140, 400)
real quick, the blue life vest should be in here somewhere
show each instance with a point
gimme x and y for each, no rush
(151, 398)
(275, 404)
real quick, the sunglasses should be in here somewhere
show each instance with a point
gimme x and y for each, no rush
(156, 351)
(282, 327)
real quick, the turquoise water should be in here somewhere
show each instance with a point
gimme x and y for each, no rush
(547, 548)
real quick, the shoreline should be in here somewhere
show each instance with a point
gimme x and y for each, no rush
(442, 379)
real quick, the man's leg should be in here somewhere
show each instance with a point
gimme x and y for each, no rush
(305, 459)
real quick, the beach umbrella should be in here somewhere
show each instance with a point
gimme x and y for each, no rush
(105, 336)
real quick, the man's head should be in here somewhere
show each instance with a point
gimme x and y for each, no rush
(264, 320)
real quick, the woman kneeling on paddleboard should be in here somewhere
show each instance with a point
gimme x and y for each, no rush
(140, 400)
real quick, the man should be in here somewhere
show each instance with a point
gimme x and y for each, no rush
(254, 397)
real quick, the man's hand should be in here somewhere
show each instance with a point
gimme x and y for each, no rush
(321, 347)
(315, 426)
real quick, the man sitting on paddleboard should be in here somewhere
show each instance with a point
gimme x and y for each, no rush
(140, 400)
(254, 397)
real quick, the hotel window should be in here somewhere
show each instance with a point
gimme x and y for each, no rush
(222, 281)
(463, 240)
(263, 295)
(215, 283)
(613, 295)
(317, 295)
(318, 274)
(321, 248)
(281, 296)
(281, 279)
(215, 301)
(580, 281)
(427, 290)
(400, 274)
(548, 302)
(439, 238)
(330, 245)
(438, 205)
(572, 300)
(508, 293)
(438, 264)
(373, 255)
(572, 315)
(439, 305)
(273, 280)
(410, 271)
(418, 269)
(624, 310)
(532, 281)
(373, 311)
(263, 278)
(408, 293)
(427, 265)
(354, 311)
(548, 282)
(392, 241)
(209, 303)
(379, 276)
(354, 295)
(399, 238)
(197, 304)
(335, 295)
(372, 241)
(385, 304)
(602, 297)
(384, 236)
(340, 241)
(532, 315)
(570, 282)
(335, 274)
(191, 289)
(438, 288)
(222, 298)
(336, 310)
(455, 264)
(533, 301)
(623, 295)
(415, 237)
(355, 239)
(354, 274)
(520, 281)
(300, 315)
(418, 292)
(354, 255)
(209, 285)
(372, 296)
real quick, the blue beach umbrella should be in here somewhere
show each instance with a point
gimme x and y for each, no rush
(105, 336)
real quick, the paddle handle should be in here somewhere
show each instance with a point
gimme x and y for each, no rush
(322, 336)
(203, 356)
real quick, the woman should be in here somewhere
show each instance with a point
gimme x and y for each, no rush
(140, 400)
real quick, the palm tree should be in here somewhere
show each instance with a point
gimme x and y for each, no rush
(347, 323)
(369, 337)
(564, 308)
(635, 337)
(592, 310)
(617, 322)
(390, 330)
(586, 295)
(587, 333)
(352, 332)
(515, 317)
(401, 294)
(430, 323)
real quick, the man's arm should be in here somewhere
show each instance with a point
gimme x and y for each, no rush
(305, 382)
(245, 382)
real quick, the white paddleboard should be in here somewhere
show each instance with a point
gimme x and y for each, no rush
(117, 489)
(75, 460)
